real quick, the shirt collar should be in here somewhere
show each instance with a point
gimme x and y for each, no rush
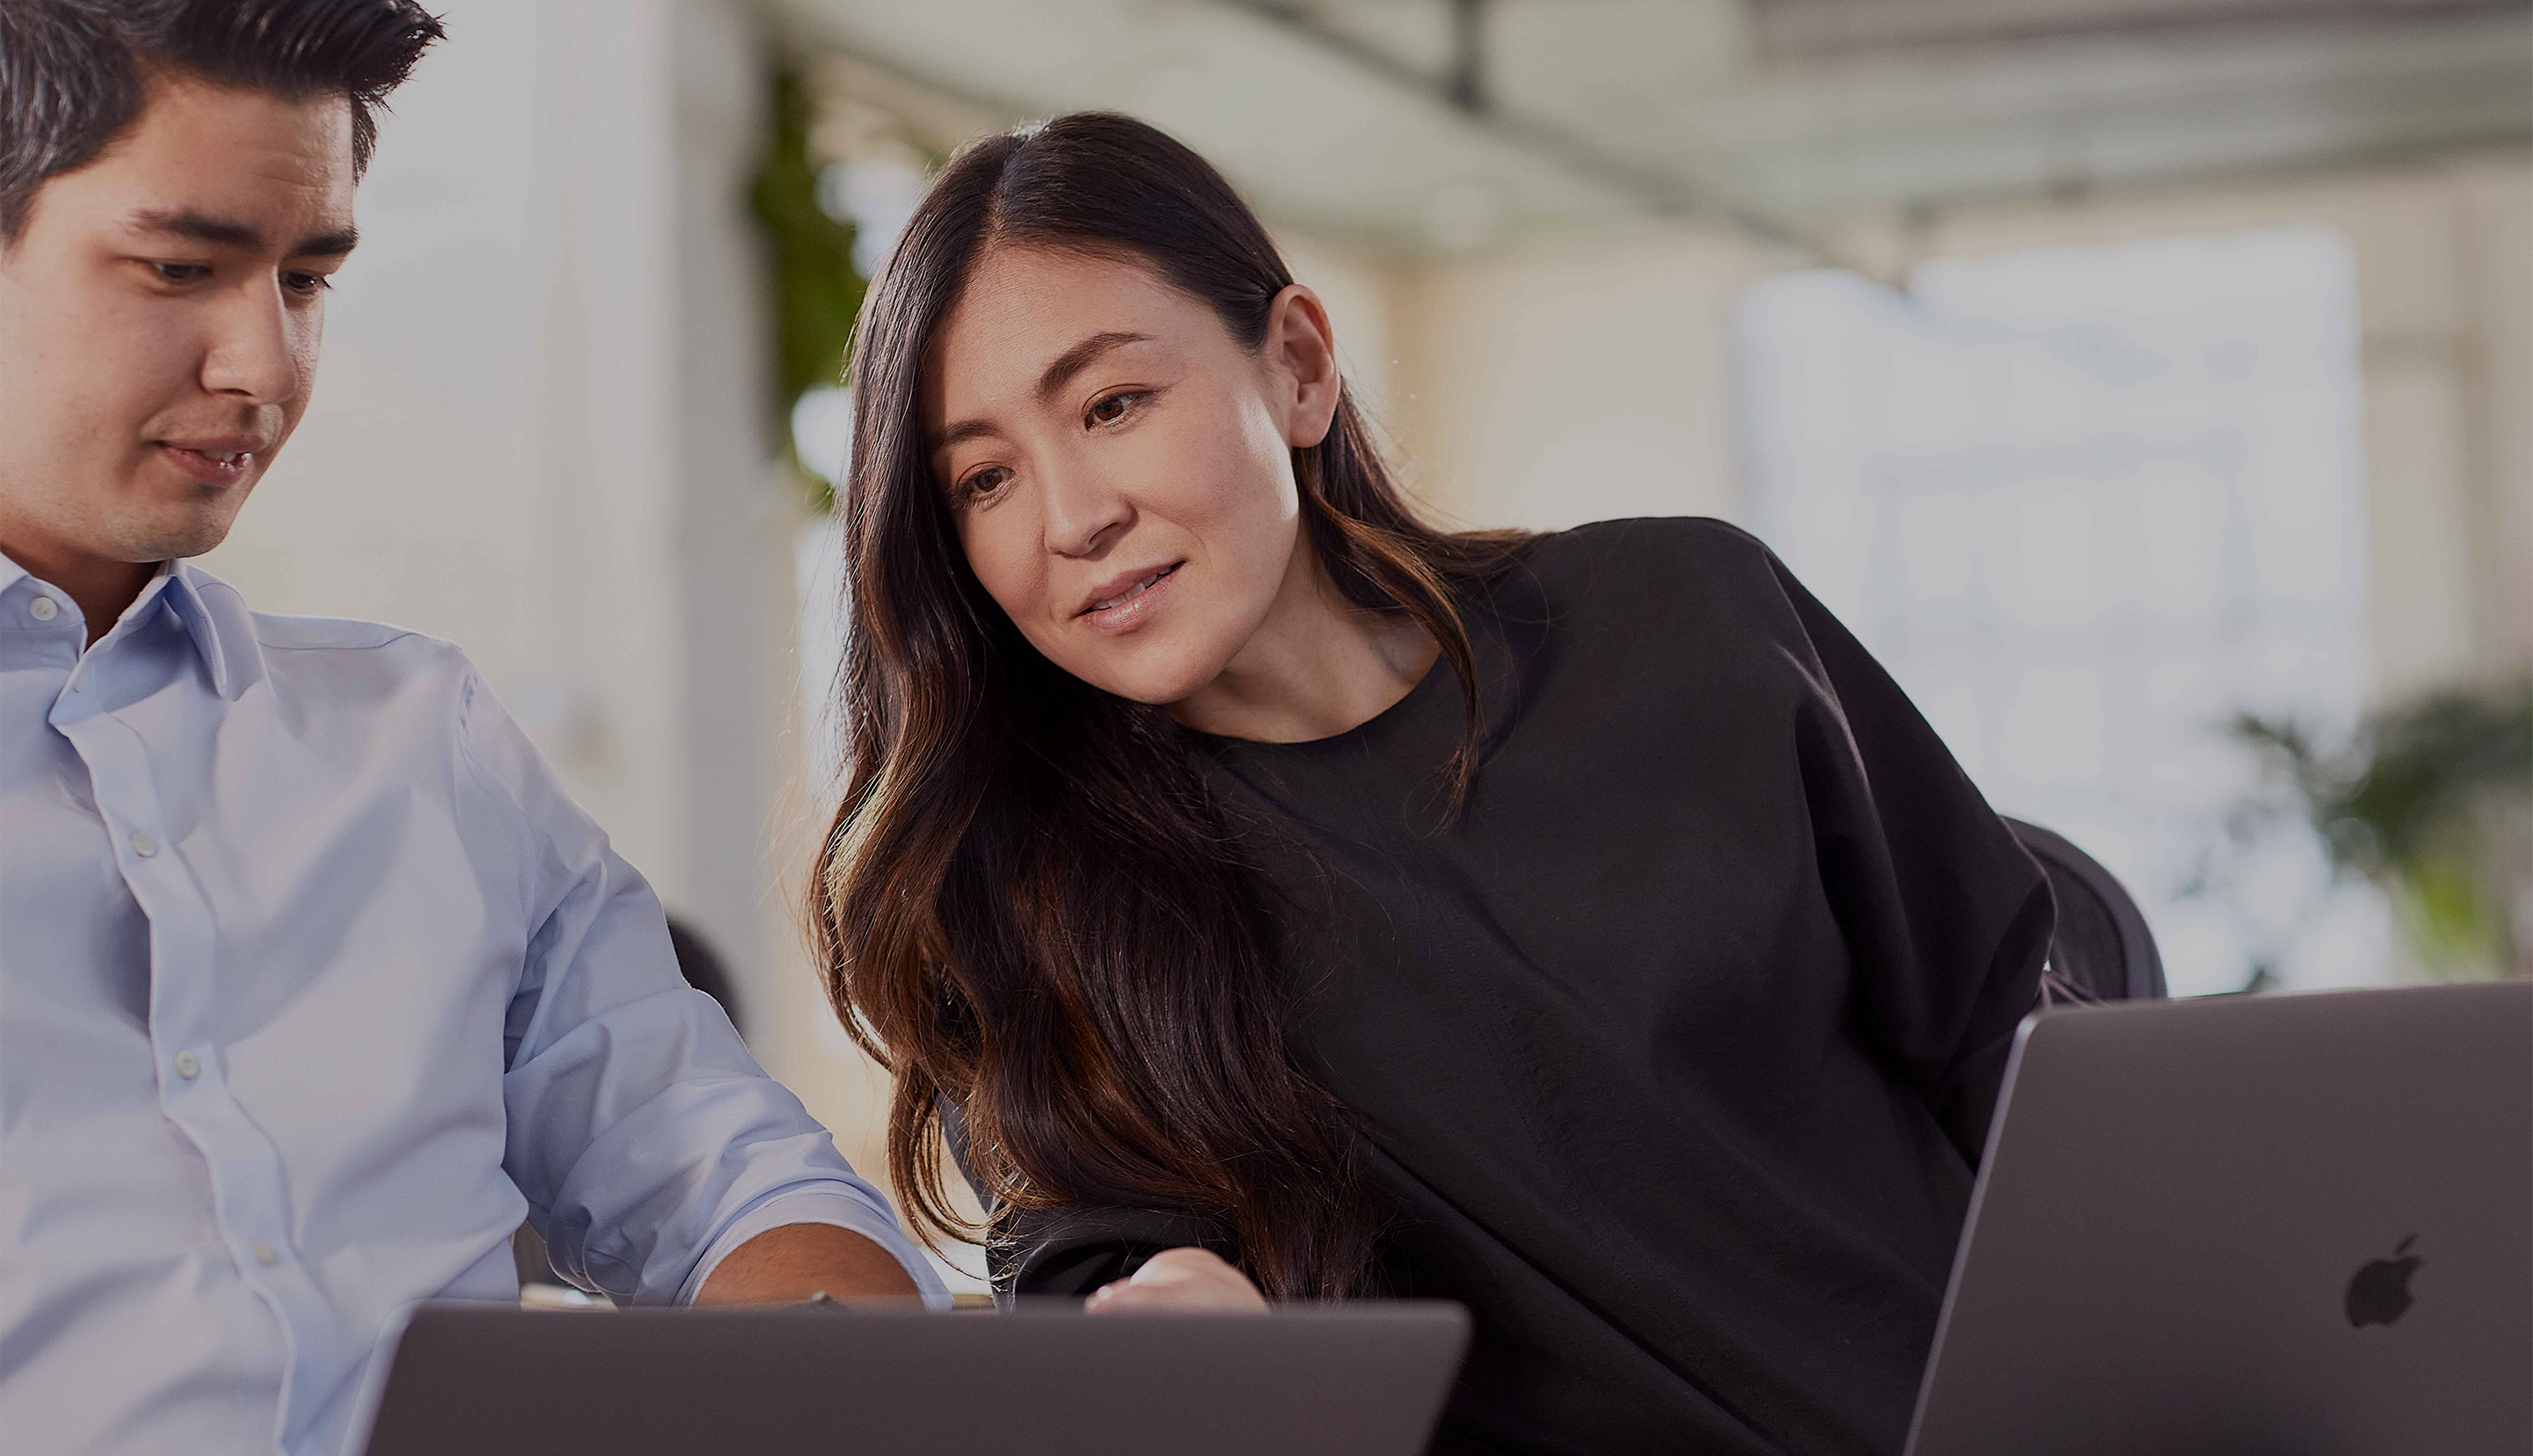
(222, 629)
(211, 611)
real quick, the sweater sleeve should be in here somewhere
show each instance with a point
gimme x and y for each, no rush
(1069, 1252)
(1946, 917)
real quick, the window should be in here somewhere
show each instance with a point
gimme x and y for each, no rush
(2087, 503)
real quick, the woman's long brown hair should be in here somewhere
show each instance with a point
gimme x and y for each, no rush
(1028, 906)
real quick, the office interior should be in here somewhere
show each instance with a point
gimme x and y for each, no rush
(2148, 383)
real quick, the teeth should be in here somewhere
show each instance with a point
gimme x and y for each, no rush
(1139, 589)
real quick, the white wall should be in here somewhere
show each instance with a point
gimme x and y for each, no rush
(1558, 385)
(2444, 276)
(1555, 386)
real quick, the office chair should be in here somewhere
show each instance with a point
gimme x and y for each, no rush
(2102, 950)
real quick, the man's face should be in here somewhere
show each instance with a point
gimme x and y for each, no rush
(159, 316)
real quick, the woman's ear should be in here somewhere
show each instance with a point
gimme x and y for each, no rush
(1300, 351)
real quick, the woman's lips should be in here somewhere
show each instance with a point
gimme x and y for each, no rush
(1134, 606)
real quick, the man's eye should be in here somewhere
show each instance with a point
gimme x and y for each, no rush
(1114, 408)
(182, 273)
(306, 284)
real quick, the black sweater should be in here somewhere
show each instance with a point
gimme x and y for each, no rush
(1672, 1054)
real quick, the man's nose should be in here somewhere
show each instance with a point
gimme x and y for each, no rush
(254, 352)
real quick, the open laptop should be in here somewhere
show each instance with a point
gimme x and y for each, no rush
(489, 1380)
(2263, 1226)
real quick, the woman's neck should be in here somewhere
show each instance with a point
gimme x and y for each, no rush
(1316, 667)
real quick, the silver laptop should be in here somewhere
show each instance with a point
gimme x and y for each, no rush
(490, 1380)
(2267, 1226)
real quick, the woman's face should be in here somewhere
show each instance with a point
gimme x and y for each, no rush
(1120, 468)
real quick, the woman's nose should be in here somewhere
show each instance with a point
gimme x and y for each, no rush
(1084, 515)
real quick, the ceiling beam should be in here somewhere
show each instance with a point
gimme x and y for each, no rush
(1467, 85)
(1662, 192)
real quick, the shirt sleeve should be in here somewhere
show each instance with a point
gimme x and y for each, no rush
(648, 1142)
(1947, 918)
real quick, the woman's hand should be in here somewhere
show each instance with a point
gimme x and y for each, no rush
(1180, 1280)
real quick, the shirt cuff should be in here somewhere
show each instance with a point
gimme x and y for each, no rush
(836, 1209)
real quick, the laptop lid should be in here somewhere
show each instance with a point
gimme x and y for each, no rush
(2299, 1225)
(1367, 1380)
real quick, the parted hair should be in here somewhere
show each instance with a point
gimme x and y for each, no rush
(74, 73)
(1029, 905)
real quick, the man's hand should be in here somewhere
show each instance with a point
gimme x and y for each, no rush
(786, 1265)
(1180, 1280)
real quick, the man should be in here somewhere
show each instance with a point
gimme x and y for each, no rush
(313, 982)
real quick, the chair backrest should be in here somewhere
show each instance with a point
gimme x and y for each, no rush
(2102, 946)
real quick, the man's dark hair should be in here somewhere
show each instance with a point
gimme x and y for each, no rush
(74, 73)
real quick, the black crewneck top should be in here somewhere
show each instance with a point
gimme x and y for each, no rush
(1673, 1052)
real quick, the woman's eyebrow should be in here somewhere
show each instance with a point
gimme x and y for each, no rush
(962, 431)
(1075, 360)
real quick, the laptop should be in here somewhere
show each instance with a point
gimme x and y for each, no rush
(492, 1380)
(2294, 1225)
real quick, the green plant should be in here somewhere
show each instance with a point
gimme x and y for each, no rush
(816, 290)
(2432, 801)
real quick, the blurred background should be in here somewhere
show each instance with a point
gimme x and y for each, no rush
(2149, 382)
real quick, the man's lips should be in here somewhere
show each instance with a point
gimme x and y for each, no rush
(213, 460)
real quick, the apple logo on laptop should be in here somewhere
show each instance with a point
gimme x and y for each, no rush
(2381, 1291)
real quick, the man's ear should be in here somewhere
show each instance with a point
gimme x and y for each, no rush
(1300, 350)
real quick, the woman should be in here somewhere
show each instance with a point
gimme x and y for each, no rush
(1271, 895)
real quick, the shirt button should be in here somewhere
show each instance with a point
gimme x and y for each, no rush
(143, 845)
(43, 609)
(187, 1065)
(262, 1251)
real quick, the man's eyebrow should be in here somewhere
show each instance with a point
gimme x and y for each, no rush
(1075, 360)
(328, 245)
(201, 228)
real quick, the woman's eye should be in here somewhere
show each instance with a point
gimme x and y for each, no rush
(1114, 408)
(980, 485)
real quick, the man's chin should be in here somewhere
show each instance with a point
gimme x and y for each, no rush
(176, 536)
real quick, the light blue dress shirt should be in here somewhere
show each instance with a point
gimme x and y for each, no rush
(313, 984)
